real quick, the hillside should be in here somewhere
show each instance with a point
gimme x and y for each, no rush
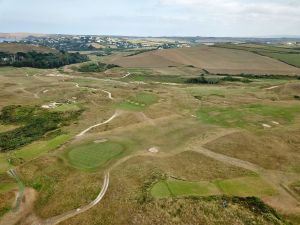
(14, 48)
(215, 60)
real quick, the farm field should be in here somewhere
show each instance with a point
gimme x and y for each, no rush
(142, 141)
(214, 60)
(290, 56)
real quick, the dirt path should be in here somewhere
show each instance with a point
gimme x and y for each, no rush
(99, 124)
(58, 219)
(109, 94)
(24, 213)
(127, 75)
(271, 88)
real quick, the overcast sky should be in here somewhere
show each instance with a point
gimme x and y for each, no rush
(152, 17)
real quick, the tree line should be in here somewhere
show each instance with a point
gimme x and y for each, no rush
(40, 60)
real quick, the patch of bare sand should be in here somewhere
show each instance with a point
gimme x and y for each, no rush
(23, 215)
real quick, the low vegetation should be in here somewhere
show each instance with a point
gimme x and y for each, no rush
(95, 67)
(216, 80)
(35, 124)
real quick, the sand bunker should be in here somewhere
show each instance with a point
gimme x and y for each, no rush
(266, 125)
(153, 150)
(100, 141)
(51, 105)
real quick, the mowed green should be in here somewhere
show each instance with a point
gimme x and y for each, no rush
(92, 155)
(243, 187)
(246, 116)
(138, 102)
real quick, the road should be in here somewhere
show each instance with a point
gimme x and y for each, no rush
(58, 219)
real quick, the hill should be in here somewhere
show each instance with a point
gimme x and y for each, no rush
(215, 60)
(14, 48)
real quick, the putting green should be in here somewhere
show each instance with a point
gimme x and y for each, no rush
(92, 155)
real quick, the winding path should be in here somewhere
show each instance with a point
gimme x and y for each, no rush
(58, 219)
(109, 94)
(97, 125)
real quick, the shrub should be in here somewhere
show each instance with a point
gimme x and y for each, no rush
(96, 67)
(36, 123)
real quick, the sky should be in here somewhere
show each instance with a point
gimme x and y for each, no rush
(218, 18)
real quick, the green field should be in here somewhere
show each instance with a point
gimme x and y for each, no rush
(92, 155)
(286, 55)
(247, 115)
(243, 187)
(38, 148)
(138, 102)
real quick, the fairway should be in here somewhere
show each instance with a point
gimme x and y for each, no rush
(242, 187)
(247, 116)
(138, 102)
(93, 155)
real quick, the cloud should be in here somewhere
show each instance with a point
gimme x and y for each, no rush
(241, 17)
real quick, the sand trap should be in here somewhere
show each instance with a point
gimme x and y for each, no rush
(101, 141)
(137, 82)
(266, 125)
(153, 150)
(45, 91)
(51, 105)
(271, 88)
(276, 123)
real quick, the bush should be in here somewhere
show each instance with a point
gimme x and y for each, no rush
(96, 67)
(203, 80)
(36, 123)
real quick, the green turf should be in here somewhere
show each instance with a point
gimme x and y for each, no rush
(184, 188)
(246, 186)
(247, 115)
(138, 102)
(40, 147)
(92, 155)
(243, 187)
(5, 187)
(160, 190)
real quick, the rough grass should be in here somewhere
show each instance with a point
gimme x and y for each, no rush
(138, 102)
(93, 155)
(243, 187)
